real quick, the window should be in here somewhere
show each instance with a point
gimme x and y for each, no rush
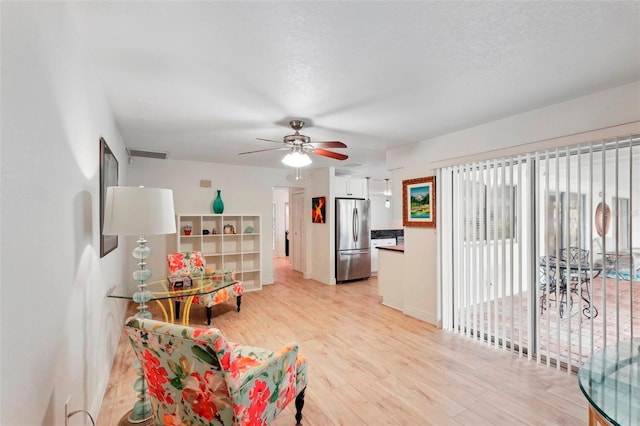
(557, 217)
(622, 222)
(493, 212)
(501, 214)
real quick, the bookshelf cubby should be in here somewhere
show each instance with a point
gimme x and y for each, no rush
(239, 251)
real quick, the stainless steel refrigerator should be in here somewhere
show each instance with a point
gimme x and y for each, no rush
(353, 255)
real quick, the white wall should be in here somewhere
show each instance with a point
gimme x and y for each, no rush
(320, 245)
(380, 215)
(245, 190)
(600, 110)
(59, 331)
(397, 175)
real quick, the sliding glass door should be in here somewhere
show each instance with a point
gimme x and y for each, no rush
(485, 251)
(541, 252)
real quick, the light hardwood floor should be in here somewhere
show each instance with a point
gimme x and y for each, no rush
(372, 365)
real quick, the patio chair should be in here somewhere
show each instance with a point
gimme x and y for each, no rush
(578, 273)
(197, 377)
(575, 256)
(577, 260)
(548, 285)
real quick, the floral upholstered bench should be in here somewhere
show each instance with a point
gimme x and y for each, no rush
(192, 265)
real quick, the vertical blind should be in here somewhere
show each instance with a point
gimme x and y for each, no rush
(524, 266)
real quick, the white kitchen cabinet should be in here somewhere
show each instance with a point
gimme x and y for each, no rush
(379, 242)
(226, 242)
(350, 187)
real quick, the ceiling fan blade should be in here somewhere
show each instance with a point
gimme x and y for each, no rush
(263, 150)
(268, 140)
(328, 144)
(330, 154)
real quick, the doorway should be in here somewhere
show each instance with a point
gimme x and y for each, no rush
(296, 236)
(288, 227)
(280, 223)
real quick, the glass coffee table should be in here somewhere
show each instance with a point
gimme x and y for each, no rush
(610, 380)
(169, 298)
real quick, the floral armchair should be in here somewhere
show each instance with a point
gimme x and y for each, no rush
(197, 377)
(193, 264)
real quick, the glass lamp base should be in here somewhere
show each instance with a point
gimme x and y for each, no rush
(129, 419)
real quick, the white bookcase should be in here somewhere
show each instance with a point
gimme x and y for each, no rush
(239, 251)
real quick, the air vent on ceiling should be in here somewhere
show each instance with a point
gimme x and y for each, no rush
(160, 155)
(344, 170)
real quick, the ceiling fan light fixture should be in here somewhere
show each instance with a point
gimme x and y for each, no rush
(296, 159)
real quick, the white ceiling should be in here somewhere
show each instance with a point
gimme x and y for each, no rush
(202, 80)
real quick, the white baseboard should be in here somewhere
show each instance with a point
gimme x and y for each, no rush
(421, 314)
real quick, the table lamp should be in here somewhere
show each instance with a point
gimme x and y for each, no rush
(139, 211)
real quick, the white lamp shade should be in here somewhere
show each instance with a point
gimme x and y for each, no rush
(131, 210)
(296, 159)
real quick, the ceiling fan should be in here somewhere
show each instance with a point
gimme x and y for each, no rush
(301, 145)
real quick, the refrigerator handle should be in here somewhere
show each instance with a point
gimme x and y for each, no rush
(352, 252)
(354, 224)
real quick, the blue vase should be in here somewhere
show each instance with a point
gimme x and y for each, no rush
(218, 205)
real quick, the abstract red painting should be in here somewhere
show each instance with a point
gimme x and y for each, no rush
(318, 209)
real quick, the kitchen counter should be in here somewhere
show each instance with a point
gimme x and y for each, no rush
(378, 234)
(377, 243)
(391, 276)
(392, 248)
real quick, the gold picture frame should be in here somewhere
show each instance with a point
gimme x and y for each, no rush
(419, 202)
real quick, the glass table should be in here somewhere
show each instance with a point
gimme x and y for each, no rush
(610, 380)
(165, 292)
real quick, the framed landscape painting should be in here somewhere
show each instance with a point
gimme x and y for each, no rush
(108, 177)
(419, 202)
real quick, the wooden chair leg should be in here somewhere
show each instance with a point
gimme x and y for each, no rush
(209, 309)
(299, 405)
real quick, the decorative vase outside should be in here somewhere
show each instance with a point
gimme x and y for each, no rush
(218, 205)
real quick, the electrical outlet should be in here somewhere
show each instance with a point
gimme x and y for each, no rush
(66, 411)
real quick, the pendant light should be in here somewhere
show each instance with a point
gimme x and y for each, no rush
(387, 203)
(367, 178)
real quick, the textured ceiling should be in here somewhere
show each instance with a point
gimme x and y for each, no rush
(203, 80)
